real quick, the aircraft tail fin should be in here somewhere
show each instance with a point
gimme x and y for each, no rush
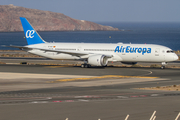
(31, 35)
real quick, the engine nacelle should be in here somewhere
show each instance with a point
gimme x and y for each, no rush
(98, 60)
(129, 63)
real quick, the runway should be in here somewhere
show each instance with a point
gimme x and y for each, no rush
(31, 95)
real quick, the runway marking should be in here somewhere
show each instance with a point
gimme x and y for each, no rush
(150, 72)
(83, 100)
(85, 96)
(122, 97)
(57, 101)
(102, 98)
(39, 102)
(69, 100)
(154, 95)
(100, 77)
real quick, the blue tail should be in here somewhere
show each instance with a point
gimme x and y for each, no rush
(31, 35)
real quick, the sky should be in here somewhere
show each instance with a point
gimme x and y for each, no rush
(108, 10)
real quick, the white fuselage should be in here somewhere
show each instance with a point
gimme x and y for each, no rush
(119, 52)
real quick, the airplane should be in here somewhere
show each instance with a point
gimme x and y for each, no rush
(96, 54)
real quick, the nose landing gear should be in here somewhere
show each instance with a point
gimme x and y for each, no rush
(163, 65)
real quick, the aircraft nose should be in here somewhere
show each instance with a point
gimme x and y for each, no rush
(176, 57)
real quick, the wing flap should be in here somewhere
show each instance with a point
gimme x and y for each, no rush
(75, 53)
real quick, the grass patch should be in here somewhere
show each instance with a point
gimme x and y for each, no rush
(2, 62)
(155, 66)
(136, 66)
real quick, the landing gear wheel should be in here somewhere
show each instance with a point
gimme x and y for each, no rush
(85, 65)
(89, 66)
(163, 67)
(82, 65)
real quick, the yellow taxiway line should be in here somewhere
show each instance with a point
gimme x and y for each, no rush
(99, 77)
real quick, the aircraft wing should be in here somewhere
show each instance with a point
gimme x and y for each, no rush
(74, 53)
(20, 47)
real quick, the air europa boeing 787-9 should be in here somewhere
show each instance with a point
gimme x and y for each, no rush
(97, 54)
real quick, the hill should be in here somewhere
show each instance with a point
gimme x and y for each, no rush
(43, 20)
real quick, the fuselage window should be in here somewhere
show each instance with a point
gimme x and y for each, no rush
(170, 51)
(98, 50)
(65, 49)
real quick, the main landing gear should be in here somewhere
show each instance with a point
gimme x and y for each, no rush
(163, 65)
(85, 65)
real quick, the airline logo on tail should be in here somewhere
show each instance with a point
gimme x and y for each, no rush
(30, 33)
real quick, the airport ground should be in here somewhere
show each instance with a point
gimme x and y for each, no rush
(57, 92)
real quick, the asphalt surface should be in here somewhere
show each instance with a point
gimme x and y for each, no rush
(105, 102)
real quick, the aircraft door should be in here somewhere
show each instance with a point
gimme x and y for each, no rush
(79, 49)
(157, 50)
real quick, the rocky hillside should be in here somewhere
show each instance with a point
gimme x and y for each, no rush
(43, 20)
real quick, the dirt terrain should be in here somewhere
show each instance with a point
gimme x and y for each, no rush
(166, 88)
(43, 20)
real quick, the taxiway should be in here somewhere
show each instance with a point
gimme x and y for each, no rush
(27, 92)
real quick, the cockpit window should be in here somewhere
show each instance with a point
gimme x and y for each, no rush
(170, 51)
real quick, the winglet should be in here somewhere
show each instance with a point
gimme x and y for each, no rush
(31, 35)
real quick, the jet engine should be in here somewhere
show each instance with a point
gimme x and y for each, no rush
(98, 60)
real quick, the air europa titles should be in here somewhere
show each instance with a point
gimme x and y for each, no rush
(129, 49)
